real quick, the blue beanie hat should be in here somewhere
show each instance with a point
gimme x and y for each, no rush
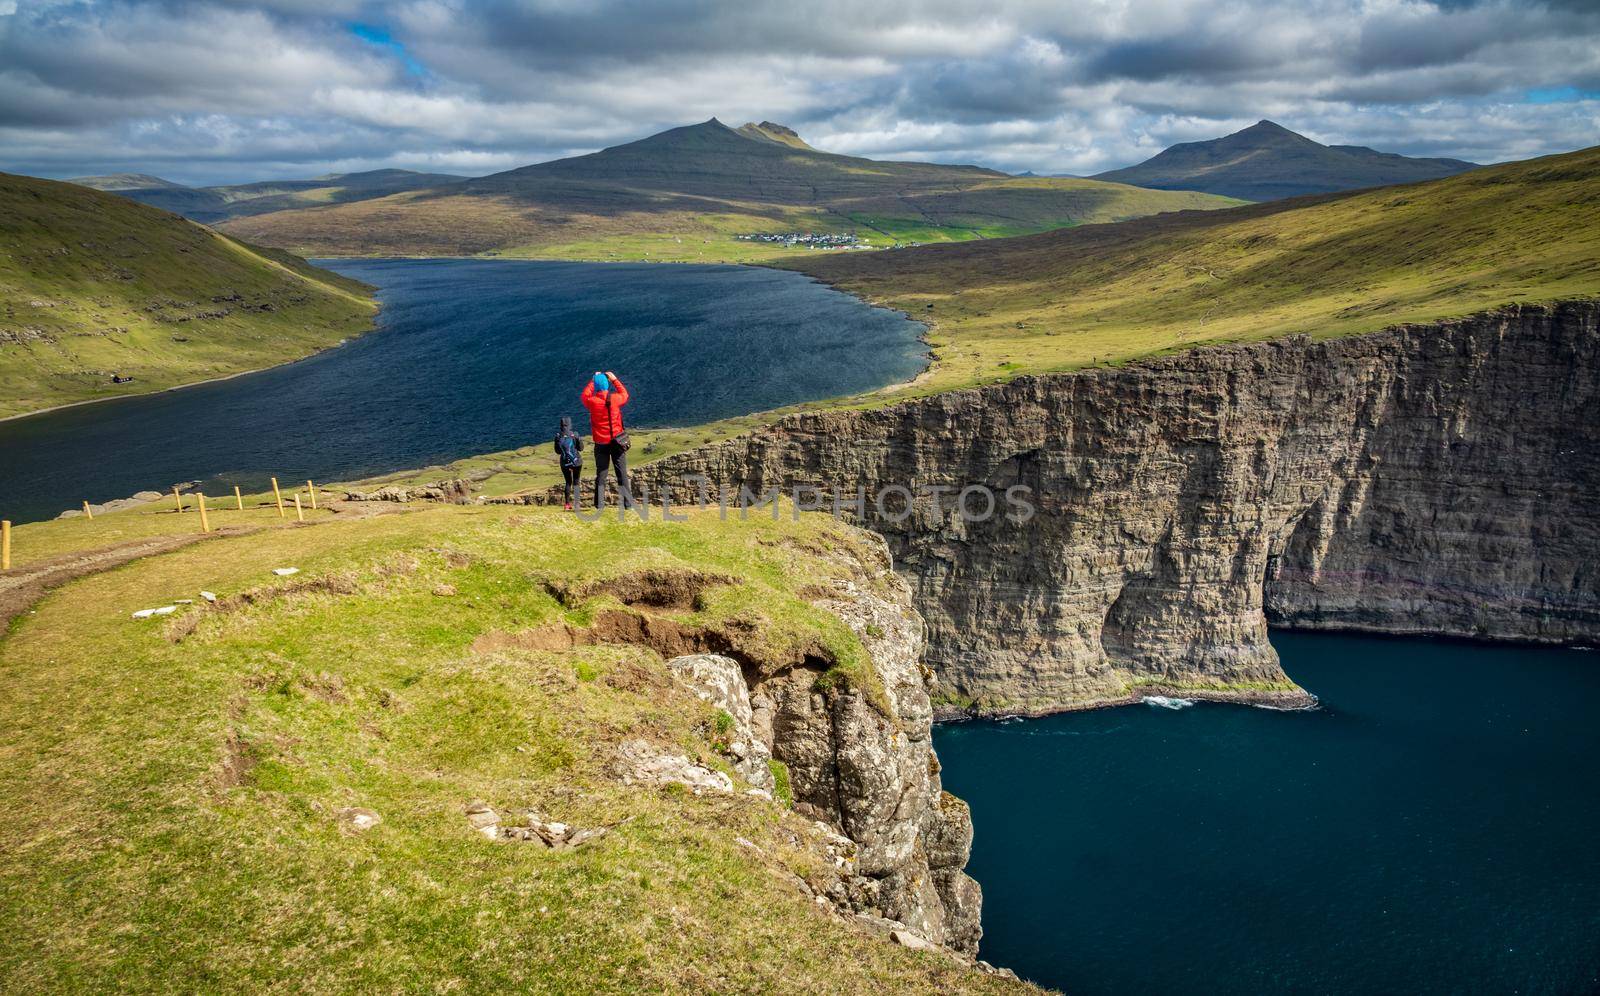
(601, 382)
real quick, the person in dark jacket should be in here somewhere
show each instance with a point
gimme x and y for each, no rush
(569, 447)
(604, 397)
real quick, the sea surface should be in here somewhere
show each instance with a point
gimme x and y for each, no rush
(1433, 828)
(472, 356)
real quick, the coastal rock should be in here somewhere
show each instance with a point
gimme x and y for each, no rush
(455, 491)
(861, 762)
(639, 761)
(1433, 479)
(718, 680)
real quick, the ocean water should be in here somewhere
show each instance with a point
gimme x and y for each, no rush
(472, 356)
(1433, 828)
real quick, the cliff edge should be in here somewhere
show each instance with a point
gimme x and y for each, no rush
(1434, 479)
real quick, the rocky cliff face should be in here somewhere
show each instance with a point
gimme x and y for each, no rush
(861, 764)
(1425, 479)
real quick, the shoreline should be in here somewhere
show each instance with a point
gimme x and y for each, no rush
(185, 387)
(1284, 701)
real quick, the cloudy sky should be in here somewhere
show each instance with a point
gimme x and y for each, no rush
(208, 92)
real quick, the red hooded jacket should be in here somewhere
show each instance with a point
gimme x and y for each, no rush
(605, 410)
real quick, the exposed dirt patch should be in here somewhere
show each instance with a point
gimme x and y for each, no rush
(324, 685)
(237, 761)
(735, 638)
(677, 589)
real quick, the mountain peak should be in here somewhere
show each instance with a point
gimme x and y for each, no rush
(1267, 161)
(771, 131)
(1265, 131)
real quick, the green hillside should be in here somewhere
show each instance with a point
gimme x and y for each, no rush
(213, 204)
(1333, 265)
(689, 194)
(1267, 161)
(93, 285)
(180, 789)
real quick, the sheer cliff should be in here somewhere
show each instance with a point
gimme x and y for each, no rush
(1436, 478)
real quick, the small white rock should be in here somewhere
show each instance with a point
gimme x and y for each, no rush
(208, 596)
(284, 572)
(915, 942)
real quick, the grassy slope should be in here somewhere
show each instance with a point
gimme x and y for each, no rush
(686, 194)
(130, 860)
(1335, 265)
(92, 284)
(213, 204)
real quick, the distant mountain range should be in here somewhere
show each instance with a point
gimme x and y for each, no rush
(704, 192)
(214, 204)
(1267, 161)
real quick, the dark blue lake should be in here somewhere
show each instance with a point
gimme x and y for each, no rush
(1432, 829)
(473, 356)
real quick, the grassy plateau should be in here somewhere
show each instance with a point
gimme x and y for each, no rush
(93, 285)
(178, 788)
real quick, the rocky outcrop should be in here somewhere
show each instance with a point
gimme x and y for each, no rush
(859, 758)
(454, 491)
(1425, 479)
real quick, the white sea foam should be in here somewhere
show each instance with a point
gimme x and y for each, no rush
(1167, 702)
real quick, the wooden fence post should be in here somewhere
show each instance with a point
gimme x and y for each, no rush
(177, 498)
(299, 515)
(278, 495)
(205, 526)
(237, 497)
(313, 489)
(86, 510)
(5, 545)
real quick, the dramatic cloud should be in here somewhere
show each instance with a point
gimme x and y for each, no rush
(217, 90)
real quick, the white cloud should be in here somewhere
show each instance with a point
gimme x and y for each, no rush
(207, 90)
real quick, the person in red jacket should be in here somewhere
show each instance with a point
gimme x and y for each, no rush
(604, 397)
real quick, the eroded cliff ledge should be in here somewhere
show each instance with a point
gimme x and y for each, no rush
(1440, 478)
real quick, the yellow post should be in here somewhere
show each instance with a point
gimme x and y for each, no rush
(237, 497)
(177, 497)
(205, 526)
(298, 514)
(313, 489)
(86, 509)
(277, 495)
(5, 545)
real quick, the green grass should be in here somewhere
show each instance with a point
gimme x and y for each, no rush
(92, 285)
(173, 786)
(1329, 266)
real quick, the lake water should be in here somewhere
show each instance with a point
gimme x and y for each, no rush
(472, 356)
(1432, 828)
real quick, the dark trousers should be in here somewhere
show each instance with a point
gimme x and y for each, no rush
(570, 474)
(606, 456)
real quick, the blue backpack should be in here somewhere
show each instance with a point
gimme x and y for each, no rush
(567, 446)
